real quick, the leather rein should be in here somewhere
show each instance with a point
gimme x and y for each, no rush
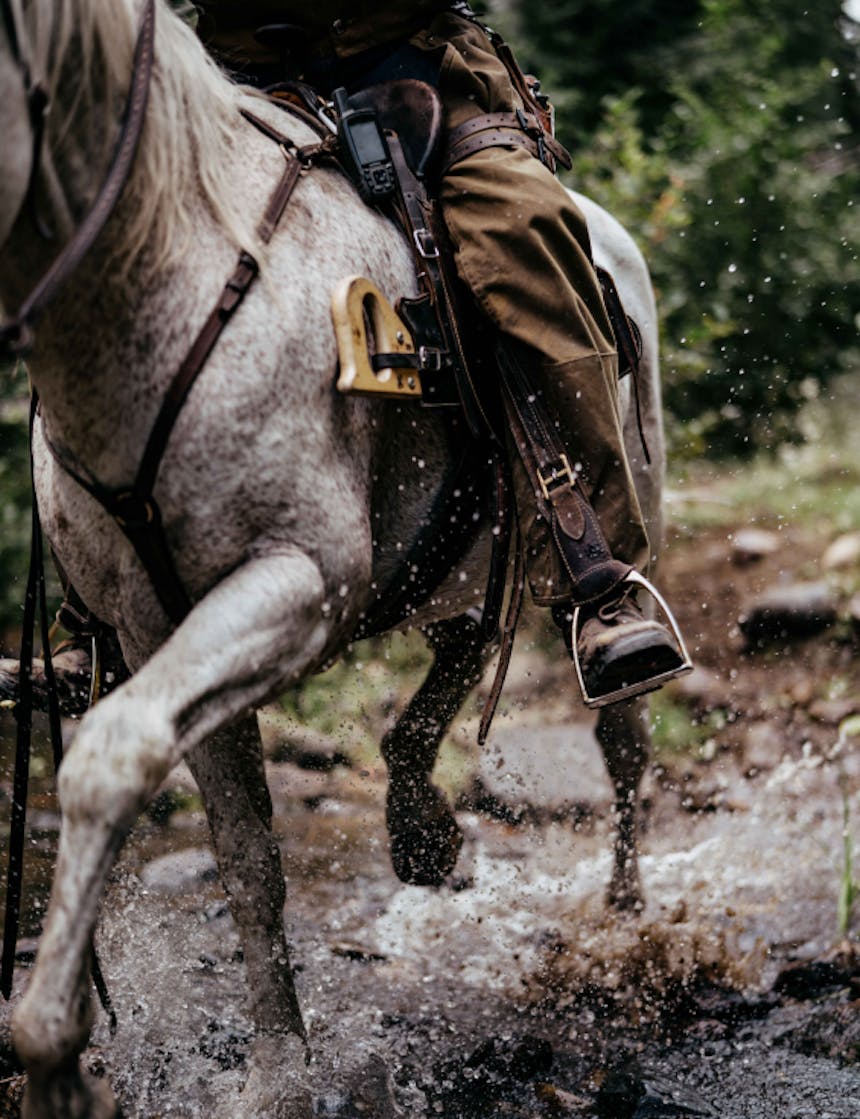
(133, 508)
(16, 335)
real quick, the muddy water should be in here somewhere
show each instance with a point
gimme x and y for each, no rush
(518, 949)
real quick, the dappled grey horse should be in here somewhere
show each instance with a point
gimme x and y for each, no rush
(285, 504)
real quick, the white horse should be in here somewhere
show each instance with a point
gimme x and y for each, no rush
(285, 504)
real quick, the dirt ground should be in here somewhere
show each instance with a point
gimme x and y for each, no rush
(511, 991)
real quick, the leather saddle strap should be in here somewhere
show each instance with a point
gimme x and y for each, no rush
(504, 130)
(429, 241)
(34, 602)
(15, 335)
(561, 501)
(628, 341)
(515, 605)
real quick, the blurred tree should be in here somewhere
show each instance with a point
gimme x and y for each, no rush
(587, 50)
(735, 161)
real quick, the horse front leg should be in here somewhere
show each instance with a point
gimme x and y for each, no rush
(622, 731)
(424, 835)
(255, 633)
(228, 768)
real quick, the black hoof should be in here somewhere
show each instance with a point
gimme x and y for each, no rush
(425, 837)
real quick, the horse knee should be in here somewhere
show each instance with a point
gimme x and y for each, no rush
(116, 762)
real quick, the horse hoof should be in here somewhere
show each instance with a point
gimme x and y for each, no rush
(425, 836)
(78, 1095)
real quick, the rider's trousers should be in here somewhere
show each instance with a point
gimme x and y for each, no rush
(522, 249)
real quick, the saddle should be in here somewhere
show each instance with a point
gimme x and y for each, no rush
(427, 349)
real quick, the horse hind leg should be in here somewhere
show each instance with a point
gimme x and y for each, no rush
(622, 731)
(226, 658)
(228, 768)
(424, 835)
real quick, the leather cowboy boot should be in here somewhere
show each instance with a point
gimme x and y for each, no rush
(618, 651)
(72, 663)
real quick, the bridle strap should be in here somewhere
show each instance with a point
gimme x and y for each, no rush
(16, 334)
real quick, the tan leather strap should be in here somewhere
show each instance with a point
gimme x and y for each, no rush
(504, 130)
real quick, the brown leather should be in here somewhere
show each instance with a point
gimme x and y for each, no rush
(16, 333)
(504, 130)
(515, 605)
(558, 494)
(412, 109)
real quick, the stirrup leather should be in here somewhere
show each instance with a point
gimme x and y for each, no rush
(642, 686)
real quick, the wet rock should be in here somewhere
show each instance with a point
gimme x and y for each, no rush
(843, 552)
(809, 979)
(752, 544)
(729, 1007)
(26, 949)
(284, 741)
(351, 950)
(630, 1093)
(476, 1087)
(833, 711)
(180, 871)
(792, 611)
(368, 1095)
(542, 772)
(833, 1033)
(764, 745)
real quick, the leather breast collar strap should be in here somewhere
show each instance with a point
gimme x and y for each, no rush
(16, 334)
(134, 507)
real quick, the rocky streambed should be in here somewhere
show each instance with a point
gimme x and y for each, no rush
(511, 990)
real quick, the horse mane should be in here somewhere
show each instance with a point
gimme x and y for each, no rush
(190, 137)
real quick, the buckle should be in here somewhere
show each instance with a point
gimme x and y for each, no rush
(131, 511)
(556, 474)
(429, 359)
(425, 244)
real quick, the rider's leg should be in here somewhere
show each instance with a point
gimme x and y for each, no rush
(522, 248)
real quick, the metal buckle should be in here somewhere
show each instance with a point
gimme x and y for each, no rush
(430, 359)
(425, 244)
(555, 474)
(643, 686)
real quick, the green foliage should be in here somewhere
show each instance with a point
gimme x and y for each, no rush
(741, 188)
(14, 500)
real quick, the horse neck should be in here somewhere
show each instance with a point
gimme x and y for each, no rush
(96, 346)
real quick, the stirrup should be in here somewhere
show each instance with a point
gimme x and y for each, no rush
(642, 686)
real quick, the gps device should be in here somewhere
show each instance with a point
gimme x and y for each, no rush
(364, 150)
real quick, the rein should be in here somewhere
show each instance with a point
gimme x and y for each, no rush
(15, 339)
(16, 336)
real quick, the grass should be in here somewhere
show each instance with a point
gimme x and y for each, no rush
(817, 482)
(675, 732)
